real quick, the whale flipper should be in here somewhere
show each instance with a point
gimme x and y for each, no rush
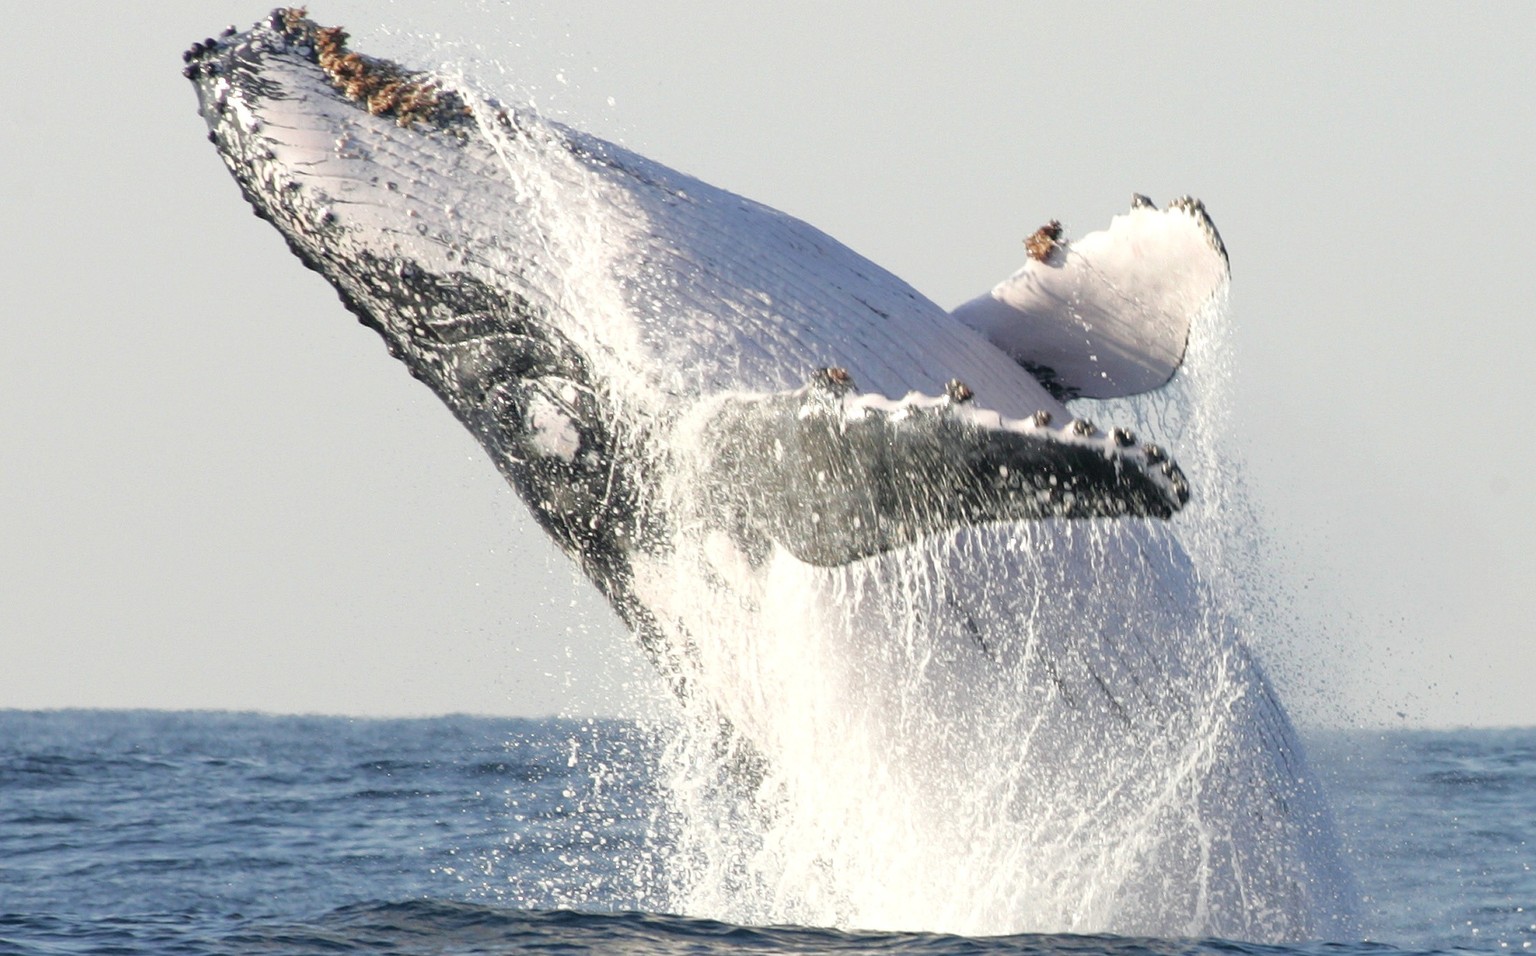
(1107, 315)
(833, 477)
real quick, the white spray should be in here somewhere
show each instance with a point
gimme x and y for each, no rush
(1051, 726)
(1037, 727)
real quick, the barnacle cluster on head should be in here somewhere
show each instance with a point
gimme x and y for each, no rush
(293, 19)
(383, 87)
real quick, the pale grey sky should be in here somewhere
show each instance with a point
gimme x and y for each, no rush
(220, 492)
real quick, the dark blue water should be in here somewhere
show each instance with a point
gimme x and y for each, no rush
(139, 832)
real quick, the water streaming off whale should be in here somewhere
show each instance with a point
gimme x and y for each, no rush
(1049, 725)
(898, 704)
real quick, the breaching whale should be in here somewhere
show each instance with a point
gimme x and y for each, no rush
(944, 623)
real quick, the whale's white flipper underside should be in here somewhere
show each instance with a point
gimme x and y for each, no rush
(1107, 315)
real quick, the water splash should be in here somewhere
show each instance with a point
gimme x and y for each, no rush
(1043, 727)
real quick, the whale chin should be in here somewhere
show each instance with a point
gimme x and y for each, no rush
(809, 490)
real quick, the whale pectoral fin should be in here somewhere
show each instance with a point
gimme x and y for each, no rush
(833, 477)
(1107, 315)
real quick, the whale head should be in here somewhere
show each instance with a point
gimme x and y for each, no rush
(580, 308)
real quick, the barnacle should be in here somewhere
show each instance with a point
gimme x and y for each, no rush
(1044, 242)
(381, 86)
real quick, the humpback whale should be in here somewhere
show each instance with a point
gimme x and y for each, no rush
(938, 628)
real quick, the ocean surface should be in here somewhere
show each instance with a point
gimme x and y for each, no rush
(149, 832)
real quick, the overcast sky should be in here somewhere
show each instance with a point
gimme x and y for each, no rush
(220, 492)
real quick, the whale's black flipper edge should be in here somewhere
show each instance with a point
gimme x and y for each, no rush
(833, 476)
